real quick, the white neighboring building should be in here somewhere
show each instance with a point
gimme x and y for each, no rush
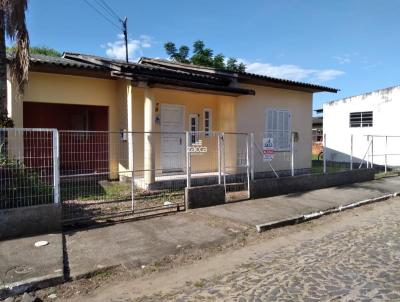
(374, 113)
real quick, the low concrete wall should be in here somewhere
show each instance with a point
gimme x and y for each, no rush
(268, 187)
(32, 220)
(205, 196)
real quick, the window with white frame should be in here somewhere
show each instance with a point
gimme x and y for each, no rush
(207, 121)
(194, 127)
(277, 126)
(361, 119)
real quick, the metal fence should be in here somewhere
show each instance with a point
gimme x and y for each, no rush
(102, 174)
(361, 151)
(28, 167)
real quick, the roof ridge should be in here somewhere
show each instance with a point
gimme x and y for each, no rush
(205, 69)
(363, 93)
(226, 72)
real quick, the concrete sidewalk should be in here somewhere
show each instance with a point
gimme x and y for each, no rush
(24, 266)
(144, 242)
(273, 209)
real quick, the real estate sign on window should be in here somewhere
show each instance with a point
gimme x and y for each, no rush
(268, 149)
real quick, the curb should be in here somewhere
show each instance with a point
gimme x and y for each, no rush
(315, 215)
(16, 288)
(93, 272)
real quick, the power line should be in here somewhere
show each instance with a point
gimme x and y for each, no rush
(108, 8)
(105, 10)
(104, 16)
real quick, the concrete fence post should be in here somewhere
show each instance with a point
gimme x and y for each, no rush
(56, 166)
(324, 153)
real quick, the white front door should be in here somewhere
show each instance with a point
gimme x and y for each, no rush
(172, 138)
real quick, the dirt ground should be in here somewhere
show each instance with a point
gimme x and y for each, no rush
(191, 266)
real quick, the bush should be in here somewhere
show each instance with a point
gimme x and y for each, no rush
(20, 185)
(5, 121)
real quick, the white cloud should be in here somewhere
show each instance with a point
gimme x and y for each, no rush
(343, 59)
(292, 72)
(116, 49)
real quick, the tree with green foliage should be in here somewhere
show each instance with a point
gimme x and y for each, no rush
(202, 56)
(39, 50)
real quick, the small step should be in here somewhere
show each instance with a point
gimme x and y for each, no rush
(234, 187)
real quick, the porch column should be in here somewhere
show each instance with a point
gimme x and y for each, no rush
(149, 138)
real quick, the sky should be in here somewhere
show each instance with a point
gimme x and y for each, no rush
(352, 45)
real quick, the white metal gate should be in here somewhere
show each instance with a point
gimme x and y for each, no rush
(220, 158)
(113, 174)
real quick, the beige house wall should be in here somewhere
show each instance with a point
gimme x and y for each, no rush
(78, 90)
(127, 111)
(223, 113)
(251, 112)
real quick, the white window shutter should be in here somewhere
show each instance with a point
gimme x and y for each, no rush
(278, 127)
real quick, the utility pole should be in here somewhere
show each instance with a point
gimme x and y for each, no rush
(125, 30)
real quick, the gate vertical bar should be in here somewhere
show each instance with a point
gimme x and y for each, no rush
(248, 164)
(219, 160)
(372, 152)
(292, 154)
(351, 152)
(252, 155)
(132, 166)
(56, 166)
(324, 153)
(386, 144)
(188, 161)
(223, 159)
(368, 151)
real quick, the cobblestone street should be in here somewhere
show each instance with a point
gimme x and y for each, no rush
(361, 264)
(349, 256)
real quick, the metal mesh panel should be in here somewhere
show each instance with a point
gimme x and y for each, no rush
(279, 164)
(106, 174)
(26, 167)
(205, 161)
(220, 158)
(160, 169)
(236, 157)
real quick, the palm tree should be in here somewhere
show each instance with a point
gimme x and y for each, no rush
(12, 24)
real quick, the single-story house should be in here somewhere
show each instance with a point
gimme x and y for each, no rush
(368, 114)
(89, 93)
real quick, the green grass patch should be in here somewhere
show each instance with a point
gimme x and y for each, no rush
(107, 190)
(381, 174)
(318, 167)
